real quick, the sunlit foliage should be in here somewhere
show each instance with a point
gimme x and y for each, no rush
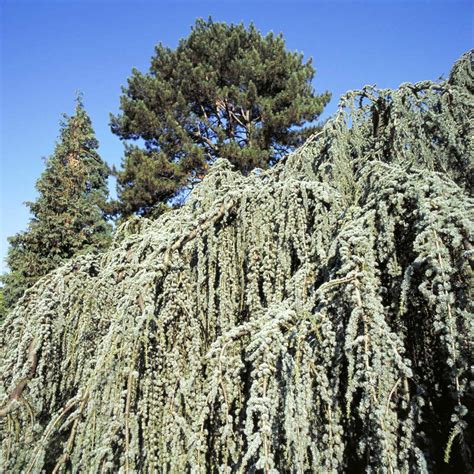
(316, 317)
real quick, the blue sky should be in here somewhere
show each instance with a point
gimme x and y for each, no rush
(50, 49)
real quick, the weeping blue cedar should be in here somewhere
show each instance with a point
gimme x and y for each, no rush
(315, 317)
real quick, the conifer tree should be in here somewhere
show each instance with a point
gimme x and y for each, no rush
(69, 213)
(224, 92)
(315, 317)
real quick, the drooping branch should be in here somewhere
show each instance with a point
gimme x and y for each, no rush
(16, 394)
(324, 326)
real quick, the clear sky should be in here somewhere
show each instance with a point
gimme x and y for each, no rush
(50, 49)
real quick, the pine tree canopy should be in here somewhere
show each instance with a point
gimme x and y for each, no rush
(314, 317)
(68, 215)
(224, 92)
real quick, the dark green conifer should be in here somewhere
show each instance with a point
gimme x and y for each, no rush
(68, 215)
(226, 91)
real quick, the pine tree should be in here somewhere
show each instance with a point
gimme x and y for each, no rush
(224, 92)
(69, 214)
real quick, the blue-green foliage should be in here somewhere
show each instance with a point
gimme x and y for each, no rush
(316, 317)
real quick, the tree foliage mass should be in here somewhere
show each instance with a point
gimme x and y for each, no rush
(224, 92)
(316, 317)
(69, 213)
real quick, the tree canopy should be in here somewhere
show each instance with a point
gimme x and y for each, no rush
(226, 91)
(68, 215)
(315, 317)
